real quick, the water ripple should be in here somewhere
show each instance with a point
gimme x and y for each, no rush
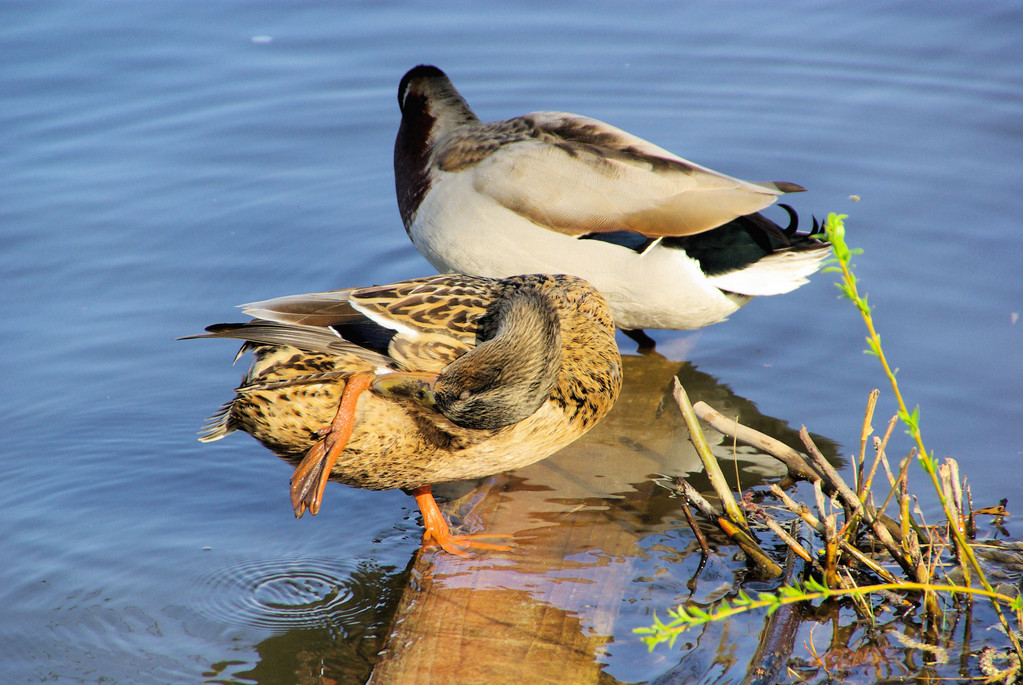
(284, 594)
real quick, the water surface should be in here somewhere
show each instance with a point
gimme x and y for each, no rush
(162, 163)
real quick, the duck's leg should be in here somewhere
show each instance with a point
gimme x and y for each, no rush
(644, 342)
(438, 533)
(311, 476)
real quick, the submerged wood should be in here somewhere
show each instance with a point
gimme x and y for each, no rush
(795, 462)
(541, 613)
(778, 637)
(799, 466)
(735, 525)
(900, 538)
(710, 463)
(546, 611)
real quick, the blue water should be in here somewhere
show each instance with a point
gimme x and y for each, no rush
(163, 162)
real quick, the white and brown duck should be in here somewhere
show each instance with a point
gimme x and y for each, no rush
(670, 244)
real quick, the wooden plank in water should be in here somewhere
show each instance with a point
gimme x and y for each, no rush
(545, 612)
(541, 613)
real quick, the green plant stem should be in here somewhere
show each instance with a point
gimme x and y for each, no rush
(685, 619)
(835, 229)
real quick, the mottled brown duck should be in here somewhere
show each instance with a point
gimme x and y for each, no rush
(425, 381)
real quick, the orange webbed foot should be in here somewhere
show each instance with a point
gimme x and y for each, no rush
(312, 474)
(306, 478)
(438, 533)
(457, 544)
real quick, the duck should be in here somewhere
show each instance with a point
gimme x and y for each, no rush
(429, 380)
(671, 244)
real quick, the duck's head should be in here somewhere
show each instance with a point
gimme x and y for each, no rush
(426, 93)
(506, 378)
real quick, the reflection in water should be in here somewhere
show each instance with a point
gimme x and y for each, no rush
(592, 530)
(281, 594)
(490, 635)
(329, 616)
(158, 160)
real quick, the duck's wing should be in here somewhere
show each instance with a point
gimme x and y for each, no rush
(322, 310)
(447, 304)
(418, 325)
(312, 322)
(436, 319)
(428, 321)
(579, 176)
(313, 339)
(261, 332)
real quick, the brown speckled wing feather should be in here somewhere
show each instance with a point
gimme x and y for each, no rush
(447, 305)
(435, 319)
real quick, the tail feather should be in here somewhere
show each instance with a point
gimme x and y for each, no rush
(219, 424)
(775, 274)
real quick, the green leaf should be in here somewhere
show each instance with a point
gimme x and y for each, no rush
(912, 419)
(872, 347)
(697, 612)
(814, 585)
(790, 592)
